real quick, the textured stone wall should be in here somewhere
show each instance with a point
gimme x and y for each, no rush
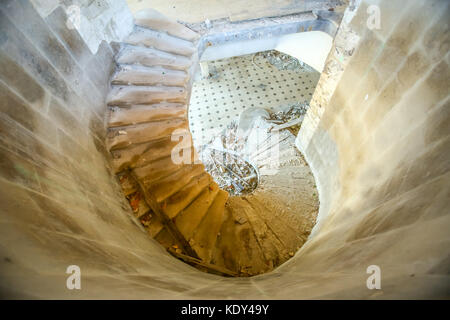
(95, 20)
(377, 138)
(379, 149)
(60, 204)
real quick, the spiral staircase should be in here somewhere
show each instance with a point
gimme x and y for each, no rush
(180, 204)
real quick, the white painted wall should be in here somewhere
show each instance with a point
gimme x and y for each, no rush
(310, 47)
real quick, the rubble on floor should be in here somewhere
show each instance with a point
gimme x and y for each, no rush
(223, 154)
(231, 172)
(283, 61)
(290, 114)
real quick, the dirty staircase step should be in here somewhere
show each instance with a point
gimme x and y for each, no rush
(132, 95)
(174, 204)
(154, 20)
(206, 234)
(189, 218)
(121, 137)
(119, 117)
(141, 154)
(129, 54)
(146, 76)
(161, 41)
(167, 186)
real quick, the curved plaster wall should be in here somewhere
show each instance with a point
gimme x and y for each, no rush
(379, 154)
(310, 47)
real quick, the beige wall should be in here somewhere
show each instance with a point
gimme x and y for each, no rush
(379, 151)
(381, 164)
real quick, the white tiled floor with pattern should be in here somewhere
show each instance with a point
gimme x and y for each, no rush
(241, 83)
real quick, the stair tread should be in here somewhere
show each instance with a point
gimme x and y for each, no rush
(145, 113)
(177, 202)
(167, 186)
(190, 217)
(141, 154)
(236, 246)
(130, 54)
(206, 233)
(161, 167)
(121, 137)
(156, 169)
(142, 75)
(132, 95)
(155, 20)
(273, 250)
(161, 41)
(152, 223)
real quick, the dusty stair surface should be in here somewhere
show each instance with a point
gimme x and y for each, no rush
(178, 202)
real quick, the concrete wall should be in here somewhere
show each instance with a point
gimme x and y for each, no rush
(379, 150)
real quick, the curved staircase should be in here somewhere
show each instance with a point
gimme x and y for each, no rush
(179, 203)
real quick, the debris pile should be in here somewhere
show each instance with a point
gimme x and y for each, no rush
(231, 172)
(290, 114)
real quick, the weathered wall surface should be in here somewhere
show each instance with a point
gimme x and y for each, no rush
(59, 203)
(379, 149)
(378, 144)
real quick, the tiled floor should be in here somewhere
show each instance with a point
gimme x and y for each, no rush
(241, 83)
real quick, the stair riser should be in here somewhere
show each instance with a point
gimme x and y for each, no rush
(154, 20)
(160, 41)
(119, 117)
(189, 219)
(126, 136)
(163, 189)
(147, 77)
(152, 57)
(132, 95)
(141, 155)
(184, 197)
(206, 233)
